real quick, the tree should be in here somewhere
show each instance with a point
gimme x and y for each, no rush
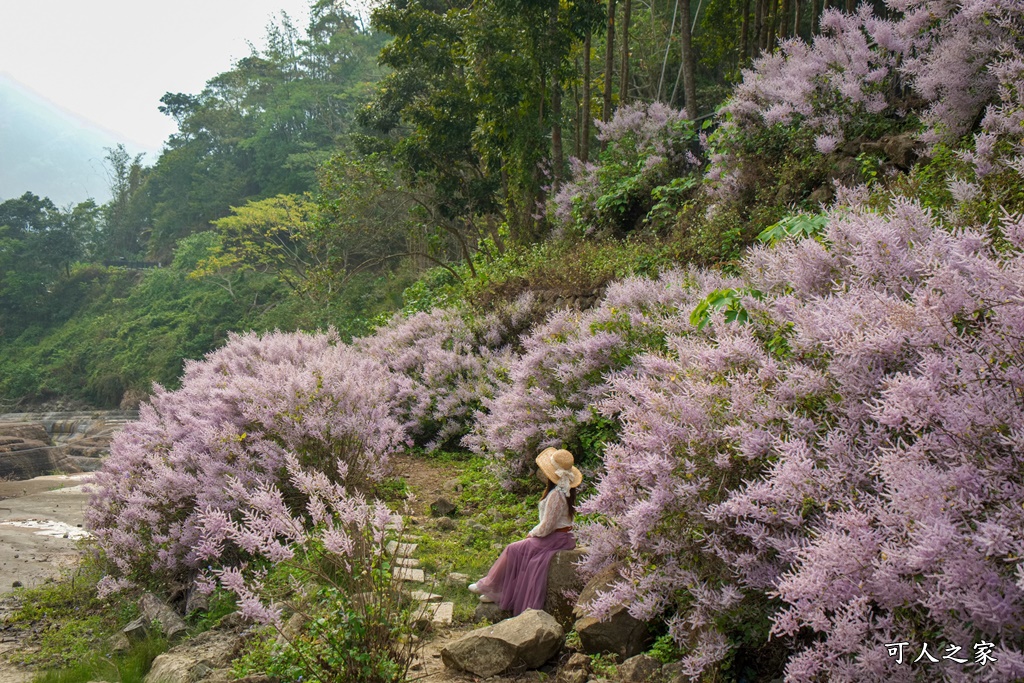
(124, 226)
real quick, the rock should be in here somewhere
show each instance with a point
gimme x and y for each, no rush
(564, 580)
(620, 633)
(16, 584)
(26, 458)
(491, 612)
(196, 602)
(442, 507)
(292, 628)
(423, 596)
(638, 669)
(119, 643)
(575, 670)
(445, 523)
(30, 431)
(397, 549)
(232, 621)
(456, 577)
(673, 673)
(156, 611)
(528, 640)
(902, 150)
(409, 574)
(137, 630)
(195, 659)
(433, 614)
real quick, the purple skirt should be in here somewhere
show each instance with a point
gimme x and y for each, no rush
(518, 580)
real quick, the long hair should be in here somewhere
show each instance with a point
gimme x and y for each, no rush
(571, 498)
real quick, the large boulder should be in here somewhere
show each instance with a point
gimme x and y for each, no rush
(564, 584)
(620, 633)
(526, 641)
(156, 611)
(198, 659)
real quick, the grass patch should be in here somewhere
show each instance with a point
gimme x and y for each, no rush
(126, 667)
(71, 623)
(71, 629)
(488, 518)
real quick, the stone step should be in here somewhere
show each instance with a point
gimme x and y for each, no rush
(435, 613)
(406, 562)
(401, 549)
(424, 596)
(408, 574)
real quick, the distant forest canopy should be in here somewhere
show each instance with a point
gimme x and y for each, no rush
(316, 180)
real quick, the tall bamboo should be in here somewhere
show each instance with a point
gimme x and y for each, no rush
(609, 63)
(627, 10)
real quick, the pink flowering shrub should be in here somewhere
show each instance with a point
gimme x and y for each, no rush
(450, 368)
(842, 471)
(931, 69)
(238, 415)
(560, 374)
(648, 146)
(334, 547)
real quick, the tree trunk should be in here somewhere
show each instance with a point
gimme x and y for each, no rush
(585, 135)
(759, 34)
(785, 19)
(609, 64)
(557, 158)
(668, 47)
(796, 19)
(688, 64)
(627, 10)
(773, 20)
(745, 32)
(815, 15)
(851, 6)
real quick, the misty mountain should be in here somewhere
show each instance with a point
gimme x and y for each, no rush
(48, 151)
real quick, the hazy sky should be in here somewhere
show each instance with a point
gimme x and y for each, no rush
(110, 61)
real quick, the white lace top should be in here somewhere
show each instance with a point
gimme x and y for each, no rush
(553, 511)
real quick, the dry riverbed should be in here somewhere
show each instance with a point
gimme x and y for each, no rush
(40, 525)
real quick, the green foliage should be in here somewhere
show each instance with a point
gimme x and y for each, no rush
(261, 128)
(593, 436)
(346, 637)
(664, 649)
(131, 329)
(796, 226)
(729, 300)
(604, 665)
(126, 667)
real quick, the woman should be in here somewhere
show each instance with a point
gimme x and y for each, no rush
(518, 580)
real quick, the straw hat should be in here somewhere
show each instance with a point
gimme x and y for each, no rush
(557, 464)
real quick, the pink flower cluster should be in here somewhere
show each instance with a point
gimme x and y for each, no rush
(239, 415)
(647, 145)
(559, 377)
(943, 62)
(852, 453)
(450, 366)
